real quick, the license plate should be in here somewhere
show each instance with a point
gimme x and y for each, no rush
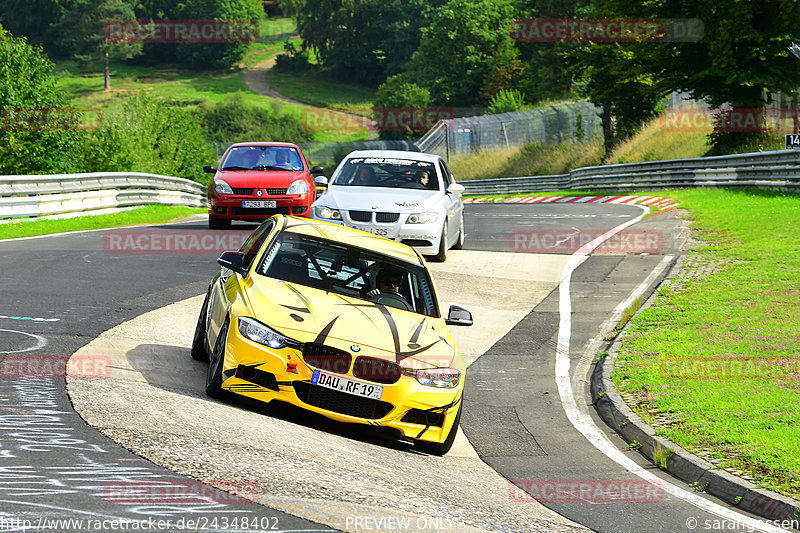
(381, 232)
(259, 203)
(343, 384)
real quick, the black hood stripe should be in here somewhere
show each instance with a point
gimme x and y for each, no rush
(415, 336)
(298, 309)
(325, 331)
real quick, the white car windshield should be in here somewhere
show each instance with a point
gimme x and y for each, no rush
(387, 172)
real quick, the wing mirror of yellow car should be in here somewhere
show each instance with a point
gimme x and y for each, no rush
(232, 261)
(458, 316)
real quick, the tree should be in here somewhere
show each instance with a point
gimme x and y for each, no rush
(610, 76)
(37, 133)
(364, 40)
(743, 53)
(400, 95)
(33, 18)
(218, 55)
(344, 37)
(83, 31)
(454, 58)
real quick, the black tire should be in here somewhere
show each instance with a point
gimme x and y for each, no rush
(441, 448)
(199, 350)
(442, 255)
(214, 376)
(218, 223)
(459, 244)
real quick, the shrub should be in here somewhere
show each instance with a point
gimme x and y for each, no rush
(235, 121)
(507, 101)
(149, 135)
(398, 92)
(34, 138)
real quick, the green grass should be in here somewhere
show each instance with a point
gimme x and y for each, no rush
(720, 356)
(153, 214)
(190, 88)
(314, 88)
(530, 160)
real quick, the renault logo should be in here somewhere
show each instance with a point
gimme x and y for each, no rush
(259, 193)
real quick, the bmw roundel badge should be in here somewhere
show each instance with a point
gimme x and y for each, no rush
(355, 347)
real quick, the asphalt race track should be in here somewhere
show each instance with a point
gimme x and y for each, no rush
(526, 416)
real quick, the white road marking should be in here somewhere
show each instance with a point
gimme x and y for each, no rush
(586, 426)
(32, 319)
(41, 342)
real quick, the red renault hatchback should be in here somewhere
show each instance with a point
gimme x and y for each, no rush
(257, 180)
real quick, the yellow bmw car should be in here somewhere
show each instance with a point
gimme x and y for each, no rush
(336, 321)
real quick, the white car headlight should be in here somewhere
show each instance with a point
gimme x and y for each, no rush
(298, 187)
(258, 332)
(222, 187)
(444, 378)
(422, 218)
(328, 213)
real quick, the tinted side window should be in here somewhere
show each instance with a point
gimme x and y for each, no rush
(446, 174)
(255, 241)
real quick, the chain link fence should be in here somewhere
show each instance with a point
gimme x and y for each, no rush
(573, 122)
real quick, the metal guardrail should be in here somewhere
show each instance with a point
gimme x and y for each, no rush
(59, 194)
(775, 170)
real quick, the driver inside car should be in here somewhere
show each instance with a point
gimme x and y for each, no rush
(388, 289)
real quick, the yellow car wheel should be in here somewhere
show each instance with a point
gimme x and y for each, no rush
(441, 448)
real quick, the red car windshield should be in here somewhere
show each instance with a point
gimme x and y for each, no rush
(263, 158)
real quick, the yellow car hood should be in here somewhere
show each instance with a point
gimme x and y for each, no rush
(312, 315)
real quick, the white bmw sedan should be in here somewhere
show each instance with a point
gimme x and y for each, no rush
(409, 197)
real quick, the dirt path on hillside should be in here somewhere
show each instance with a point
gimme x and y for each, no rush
(256, 80)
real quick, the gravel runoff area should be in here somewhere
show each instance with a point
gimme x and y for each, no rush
(153, 404)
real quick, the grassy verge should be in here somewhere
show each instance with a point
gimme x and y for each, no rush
(315, 89)
(152, 214)
(714, 364)
(530, 160)
(653, 143)
(191, 88)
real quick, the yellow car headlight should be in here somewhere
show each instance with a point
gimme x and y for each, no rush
(444, 378)
(258, 332)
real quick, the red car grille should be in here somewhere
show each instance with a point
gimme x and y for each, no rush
(251, 192)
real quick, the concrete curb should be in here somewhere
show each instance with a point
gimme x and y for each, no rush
(698, 473)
